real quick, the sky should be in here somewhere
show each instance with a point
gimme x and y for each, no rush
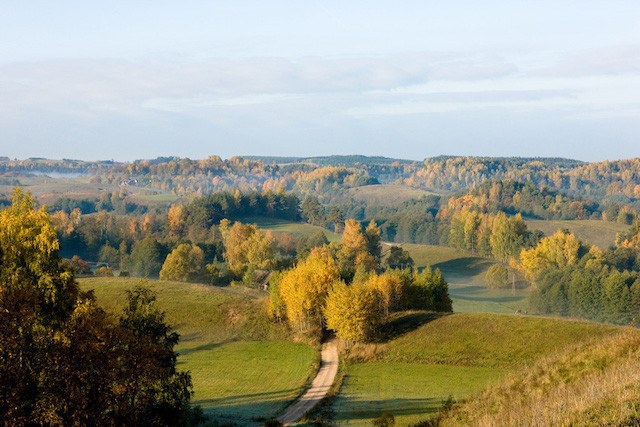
(126, 80)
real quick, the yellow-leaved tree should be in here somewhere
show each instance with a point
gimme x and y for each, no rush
(559, 250)
(353, 312)
(246, 246)
(184, 263)
(304, 289)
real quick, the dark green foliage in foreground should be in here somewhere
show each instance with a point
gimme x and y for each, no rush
(63, 360)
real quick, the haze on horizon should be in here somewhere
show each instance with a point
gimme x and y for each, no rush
(128, 80)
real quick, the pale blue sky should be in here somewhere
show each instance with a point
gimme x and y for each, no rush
(410, 79)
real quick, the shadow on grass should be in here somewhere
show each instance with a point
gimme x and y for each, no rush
(202, 347)
(403, 323)
(246, 409)
(351, 410)
(479, 293)
(467, 266)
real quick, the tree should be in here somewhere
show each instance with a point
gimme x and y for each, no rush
(559, 250)
(246, 246)
(399, 258)
(183, 264)
(429, 291)
(374, 247)
(497, 276)
(353, 312)
(312, 211)
(304, 290)
(63, 360)
(177, 220)
(146, 257)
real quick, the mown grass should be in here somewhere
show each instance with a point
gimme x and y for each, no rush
(590, 384)
(595, 232)
(408, 391)
(242, 367)
(440, 355)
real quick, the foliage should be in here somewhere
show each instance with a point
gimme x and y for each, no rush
(246, 246)
(497, 276)
(557, 251)
(399, 259)
(146, 258)
(304, 289)
(429, 291)
(64, 360)
(183, 264)
(353, 312)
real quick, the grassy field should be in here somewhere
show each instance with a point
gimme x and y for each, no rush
(386, 194)
(595, 232)
(241, 365)
(465, 274)
(296, 228)
(438, 356)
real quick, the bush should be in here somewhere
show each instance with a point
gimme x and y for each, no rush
(104, 272)
(497, 276)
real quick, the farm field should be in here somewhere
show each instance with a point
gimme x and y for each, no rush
(451, 355)
(595, 232)
(241, 367)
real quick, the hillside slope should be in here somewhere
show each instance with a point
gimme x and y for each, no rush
(588, 385)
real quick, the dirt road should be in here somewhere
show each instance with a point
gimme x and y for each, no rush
(319, 387)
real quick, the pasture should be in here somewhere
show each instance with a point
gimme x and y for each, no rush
(242, 366)
(436, 356)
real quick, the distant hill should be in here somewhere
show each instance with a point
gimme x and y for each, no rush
(350, 160)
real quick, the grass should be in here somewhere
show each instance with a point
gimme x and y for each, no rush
(409, 391)
(242, 367)
(595, 232)
(589, 384)
(278, 226)
(386, 194)
(465, 273)
(435, 356)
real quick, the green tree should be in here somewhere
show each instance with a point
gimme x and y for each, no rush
(399, 259)
(146, 258)
(63, 360)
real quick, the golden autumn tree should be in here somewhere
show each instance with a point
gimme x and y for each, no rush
(354, 249)
(184, 263)
(246, 246)
(390, 286)
(559, 250)
(353, 312)
(304, 289)
(177, 218)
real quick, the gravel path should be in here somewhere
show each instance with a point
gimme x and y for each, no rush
(319, 387)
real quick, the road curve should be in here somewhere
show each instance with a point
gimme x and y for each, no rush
(319, 387)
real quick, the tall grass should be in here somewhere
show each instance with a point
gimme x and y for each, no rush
(589, 384)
